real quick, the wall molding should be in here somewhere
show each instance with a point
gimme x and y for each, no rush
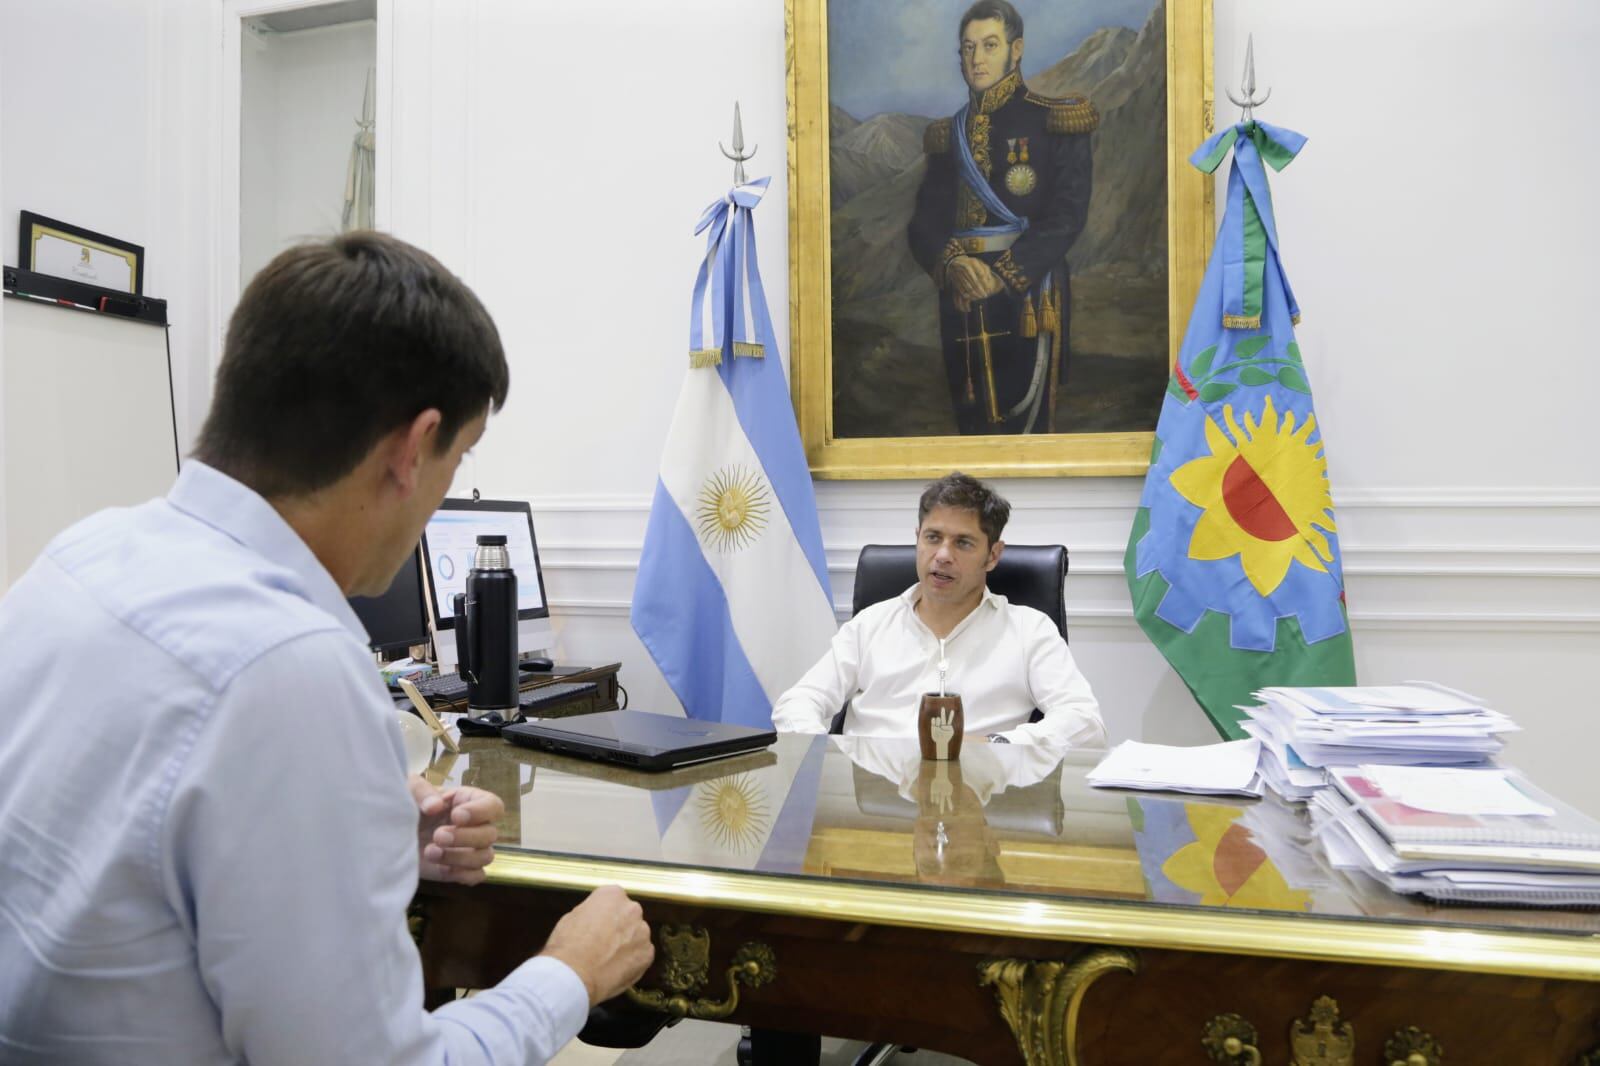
(1491, 561)
(1059, 492)
(1380, 621)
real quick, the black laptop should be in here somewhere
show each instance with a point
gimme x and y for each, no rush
(639, 739)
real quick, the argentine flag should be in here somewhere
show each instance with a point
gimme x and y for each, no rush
(732, 600)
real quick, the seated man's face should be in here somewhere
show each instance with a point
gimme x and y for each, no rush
(954, 555)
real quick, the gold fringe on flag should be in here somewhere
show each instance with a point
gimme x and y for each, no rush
(1030, 322)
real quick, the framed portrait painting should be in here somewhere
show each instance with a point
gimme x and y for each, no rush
(995, 237)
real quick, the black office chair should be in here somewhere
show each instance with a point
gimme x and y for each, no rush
(1033, 575)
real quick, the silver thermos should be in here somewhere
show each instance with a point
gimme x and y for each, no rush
(486, 630)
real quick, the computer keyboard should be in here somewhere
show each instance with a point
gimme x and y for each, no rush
(450, 689)
(443, 688)
(534, 700)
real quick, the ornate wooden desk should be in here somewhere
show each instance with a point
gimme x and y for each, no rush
(1002, 910)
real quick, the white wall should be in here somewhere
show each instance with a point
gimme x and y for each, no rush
(558, 156)
(302, 96)
(120, 135)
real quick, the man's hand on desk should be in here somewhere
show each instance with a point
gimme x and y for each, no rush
(605, 941)
(455, 831)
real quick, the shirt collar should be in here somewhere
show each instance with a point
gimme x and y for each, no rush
(990, 600)
(240, 513)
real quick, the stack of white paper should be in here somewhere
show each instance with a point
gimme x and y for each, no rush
(1462, 835)
(1227, 769)
(1304, 730)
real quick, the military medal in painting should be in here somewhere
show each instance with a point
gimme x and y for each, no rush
(1020, 178)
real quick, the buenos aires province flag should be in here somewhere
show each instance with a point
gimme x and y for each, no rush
(732, 599)
(1233, 561)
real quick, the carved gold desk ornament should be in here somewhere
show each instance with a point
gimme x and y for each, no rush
(1322, 1039)
(1412, 1047)
(1231, 1041)
(686, 969)
(1040, 1000)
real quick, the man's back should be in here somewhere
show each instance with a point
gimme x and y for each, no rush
(134, 625)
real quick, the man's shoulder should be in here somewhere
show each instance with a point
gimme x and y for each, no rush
(879, 614)
(1027, 619)
(190, 590)
(936, 137)
(1064, 114)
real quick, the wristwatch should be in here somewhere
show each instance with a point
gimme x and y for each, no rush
(996, 738)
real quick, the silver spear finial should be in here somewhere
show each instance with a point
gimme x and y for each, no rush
(738, 154)
(1248, 85)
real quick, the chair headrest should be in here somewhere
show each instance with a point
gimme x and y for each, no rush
(1028, 574)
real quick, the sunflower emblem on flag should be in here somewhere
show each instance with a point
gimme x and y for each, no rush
(1263, 494)
(733, 508)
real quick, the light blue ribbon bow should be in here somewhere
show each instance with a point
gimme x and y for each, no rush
(729, 264)
(1248, 227)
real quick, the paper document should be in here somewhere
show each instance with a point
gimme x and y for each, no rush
(1446, 790)
(1227, 769)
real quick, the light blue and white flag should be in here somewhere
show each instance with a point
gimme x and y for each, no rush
(732, 600)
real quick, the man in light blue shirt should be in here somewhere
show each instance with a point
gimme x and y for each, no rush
(207, 838)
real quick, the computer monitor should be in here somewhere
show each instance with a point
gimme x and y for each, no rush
(448, 543)
(396, 620)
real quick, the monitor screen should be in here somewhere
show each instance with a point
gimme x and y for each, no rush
(396, 620)
(451, 538)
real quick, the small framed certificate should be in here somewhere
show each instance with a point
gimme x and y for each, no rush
(65, 251)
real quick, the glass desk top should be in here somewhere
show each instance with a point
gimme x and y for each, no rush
(1010, 839)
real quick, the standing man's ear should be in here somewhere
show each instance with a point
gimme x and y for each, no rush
(1016, 52)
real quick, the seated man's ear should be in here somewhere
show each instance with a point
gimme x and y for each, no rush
(407, 446)
(997, 549)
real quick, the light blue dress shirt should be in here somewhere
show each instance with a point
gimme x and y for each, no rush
(207, 845)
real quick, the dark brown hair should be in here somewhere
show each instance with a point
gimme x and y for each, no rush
(993, 9)
(336, 344)
(967, 493)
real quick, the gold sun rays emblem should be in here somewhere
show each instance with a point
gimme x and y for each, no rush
(733, 508)
(733, 811)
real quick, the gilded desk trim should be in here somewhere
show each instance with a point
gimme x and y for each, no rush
(1365, 942)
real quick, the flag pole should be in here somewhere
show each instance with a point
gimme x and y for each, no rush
(738, 154)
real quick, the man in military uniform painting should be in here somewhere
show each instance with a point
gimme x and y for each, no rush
(1005, 194)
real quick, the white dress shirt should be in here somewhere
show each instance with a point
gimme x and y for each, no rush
(1005, 661)
(207, 845)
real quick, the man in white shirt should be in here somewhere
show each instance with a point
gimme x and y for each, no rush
(1005, 660)
(207, 838)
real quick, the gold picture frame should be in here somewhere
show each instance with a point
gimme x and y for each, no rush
(1190, 213)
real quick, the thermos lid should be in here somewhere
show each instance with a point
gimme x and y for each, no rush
(492, 538)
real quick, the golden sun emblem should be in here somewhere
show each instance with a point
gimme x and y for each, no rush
(733, 810)
(1265, 495)
(733, 508)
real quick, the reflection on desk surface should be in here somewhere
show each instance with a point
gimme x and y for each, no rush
(1007, 818)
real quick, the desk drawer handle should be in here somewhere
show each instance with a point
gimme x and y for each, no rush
(1231, 1041)
(686, 951)
(1040, 1000)
(1412, 1047)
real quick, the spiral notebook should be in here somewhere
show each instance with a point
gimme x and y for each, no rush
(1564, 835)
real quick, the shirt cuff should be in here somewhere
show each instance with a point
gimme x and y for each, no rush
(561, 990)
